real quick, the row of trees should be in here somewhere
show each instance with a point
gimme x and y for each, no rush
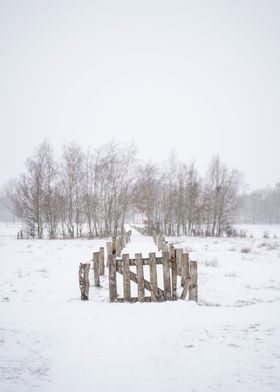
(81, 193)
(177, 200)
(91, 194)
(260, 206)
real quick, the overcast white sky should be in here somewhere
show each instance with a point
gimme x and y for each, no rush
(199, 77)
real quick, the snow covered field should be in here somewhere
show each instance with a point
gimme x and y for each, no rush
(51, 341)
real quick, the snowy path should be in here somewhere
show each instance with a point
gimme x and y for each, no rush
(51, 341)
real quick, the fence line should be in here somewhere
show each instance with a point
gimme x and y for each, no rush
(175, 263)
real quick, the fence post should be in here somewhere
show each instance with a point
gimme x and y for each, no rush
(96, 269)
(108, 251)
(184, 268)
(114, 246)
(179, 253)
(118, 250)
(153, 276)
(84, 280)
(112, 278)
(172, 258)
(140, 277)
(126, 278)
(166, 276)
(193, 284)
(101, 261)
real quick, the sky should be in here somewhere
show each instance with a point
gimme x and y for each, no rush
(197, 77)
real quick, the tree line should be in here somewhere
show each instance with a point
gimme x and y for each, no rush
(92, 194)
(260, 206)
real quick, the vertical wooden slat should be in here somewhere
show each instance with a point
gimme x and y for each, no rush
(118, 249)
(172, 259)
(153, 276)
(166, 276)
(96, 269)
(84, 280)
(108, 251)
(193, 281)
(186, 288)
(179, 253)
(126, 278)
(121, 243)
(101, 261)
(140, 277)
(112, 278)
(114, 246)
(184, 268)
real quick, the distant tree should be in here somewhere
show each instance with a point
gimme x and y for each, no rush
(220, 196)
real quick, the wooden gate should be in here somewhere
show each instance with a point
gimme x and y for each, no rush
(173, 263)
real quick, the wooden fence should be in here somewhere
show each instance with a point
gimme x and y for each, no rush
(172, 268)
(113, 248)
(169, 262)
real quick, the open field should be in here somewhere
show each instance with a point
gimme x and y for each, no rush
(51, 341)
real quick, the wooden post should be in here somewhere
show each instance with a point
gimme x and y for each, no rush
(112, 278)
(172, 259)
(186, 288)
(118, 250)
(126, 278)
(108, 251)
(179, 253)
(166, 276)
(114, 246)
(193, 282)
(96, 269)
(101, 261)
(140, 277)
(159, 243)
(184, 268)
(84, 280)
(153, 276)
(121, 243)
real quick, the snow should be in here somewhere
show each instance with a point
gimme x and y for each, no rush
(52, 341)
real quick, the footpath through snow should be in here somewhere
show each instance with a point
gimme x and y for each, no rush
(52, 341)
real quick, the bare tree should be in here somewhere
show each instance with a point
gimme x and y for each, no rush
(220, 196)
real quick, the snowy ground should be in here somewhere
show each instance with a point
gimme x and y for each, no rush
(51, 341)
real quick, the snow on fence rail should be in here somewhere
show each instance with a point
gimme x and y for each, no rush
(175, 263)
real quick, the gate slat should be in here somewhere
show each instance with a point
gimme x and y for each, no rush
(173, 272)
(179, 253)
(184, 268)
(112, 278)
(166, 276)
(126, 278)
(193, 285)
(96, 269)
(140, 277)
(153, 277)
(101, 261)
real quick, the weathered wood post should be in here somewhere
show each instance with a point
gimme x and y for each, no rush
(166, 276)
(184, 268)
(158, 243)
(126, 278)
(121, 243)
(112, 278)
(84, 280)
(101, 261)
(118, 249)
(96, 269)
(193, 281)
(108, 251)
(172, 259)
(179, 253)
(153, 276)
(114, 247)
(140, 277)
